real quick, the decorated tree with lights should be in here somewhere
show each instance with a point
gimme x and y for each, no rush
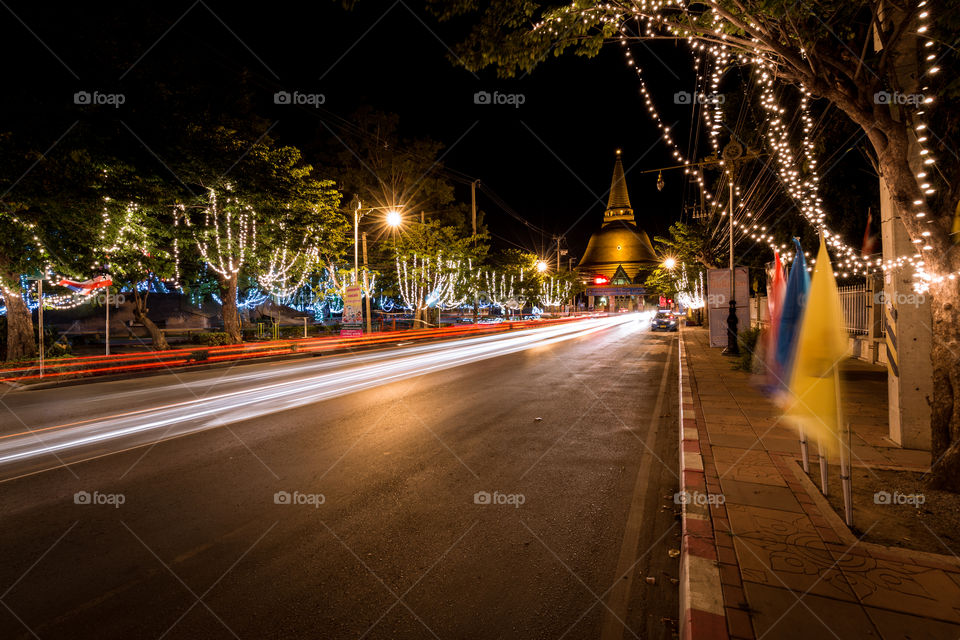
(137, 249)
(49, 215)
(20, 253)
(860, 56)
(262, 214)
(430, 261)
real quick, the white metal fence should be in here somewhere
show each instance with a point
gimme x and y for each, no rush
(856, 301)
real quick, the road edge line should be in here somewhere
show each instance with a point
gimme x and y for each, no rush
(701, 594)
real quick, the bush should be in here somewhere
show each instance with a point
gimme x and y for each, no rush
(58, 350)
(211, 339)
(198, 356)
(747, 340)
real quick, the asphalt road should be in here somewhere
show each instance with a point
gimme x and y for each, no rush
(518, 490)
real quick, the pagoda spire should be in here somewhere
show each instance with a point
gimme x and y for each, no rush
(618, 205)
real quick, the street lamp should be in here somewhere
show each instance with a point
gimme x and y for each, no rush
(670, 263)
(394, 219)
(731, 153)
(541, 266)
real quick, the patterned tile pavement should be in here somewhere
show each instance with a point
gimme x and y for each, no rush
(788, 567)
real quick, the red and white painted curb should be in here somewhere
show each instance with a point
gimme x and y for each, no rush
(701, 596)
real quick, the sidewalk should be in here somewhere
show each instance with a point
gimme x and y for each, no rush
(784, 563)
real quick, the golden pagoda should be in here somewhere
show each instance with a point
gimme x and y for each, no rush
(620, 249)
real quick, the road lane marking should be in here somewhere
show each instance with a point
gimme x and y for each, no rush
(618, 600)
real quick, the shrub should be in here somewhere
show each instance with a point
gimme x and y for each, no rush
(211, 339)
(747, 340)
(58, 350)
(198, 356)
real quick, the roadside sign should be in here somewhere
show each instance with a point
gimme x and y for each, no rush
(351, 323)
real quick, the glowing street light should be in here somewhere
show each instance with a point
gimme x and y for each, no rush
(670, 263)
(541, 266)
(394, 219)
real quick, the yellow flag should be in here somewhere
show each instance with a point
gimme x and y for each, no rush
(822, 343)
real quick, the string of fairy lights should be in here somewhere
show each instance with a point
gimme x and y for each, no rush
(802, 188)
(232, 225)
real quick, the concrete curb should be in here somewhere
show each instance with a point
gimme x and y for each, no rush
(701, 596)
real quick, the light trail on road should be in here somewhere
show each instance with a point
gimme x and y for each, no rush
(261, 393)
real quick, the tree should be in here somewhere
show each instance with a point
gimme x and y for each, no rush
(857, 55)
(430, 260)
(521, 268)
(137, 243)
(266, 214)
(19, 254)
(47, 224)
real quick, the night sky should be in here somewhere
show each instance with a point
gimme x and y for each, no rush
(550, 159)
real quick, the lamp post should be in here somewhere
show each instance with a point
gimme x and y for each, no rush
(732, 152)
(733, 349)
(393, 219)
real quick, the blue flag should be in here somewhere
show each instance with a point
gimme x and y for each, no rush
(794, 301)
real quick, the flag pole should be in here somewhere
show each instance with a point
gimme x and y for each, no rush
(846, 482)
(804, 451)
(823, 470)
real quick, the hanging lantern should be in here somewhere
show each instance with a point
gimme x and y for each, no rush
(660, 182)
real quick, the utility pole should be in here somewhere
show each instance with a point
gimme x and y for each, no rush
(473, 205)
(366, 285)
(356, 233)
(107, 331)
(40, 318)
(558, 253)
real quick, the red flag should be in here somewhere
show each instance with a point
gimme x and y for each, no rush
(869, 239)
(775, 292)
(87, 286)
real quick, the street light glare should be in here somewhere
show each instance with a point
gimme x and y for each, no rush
(394, 219)
(541, 266)
(670, 263)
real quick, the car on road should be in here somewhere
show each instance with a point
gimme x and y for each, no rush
(664, 321)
